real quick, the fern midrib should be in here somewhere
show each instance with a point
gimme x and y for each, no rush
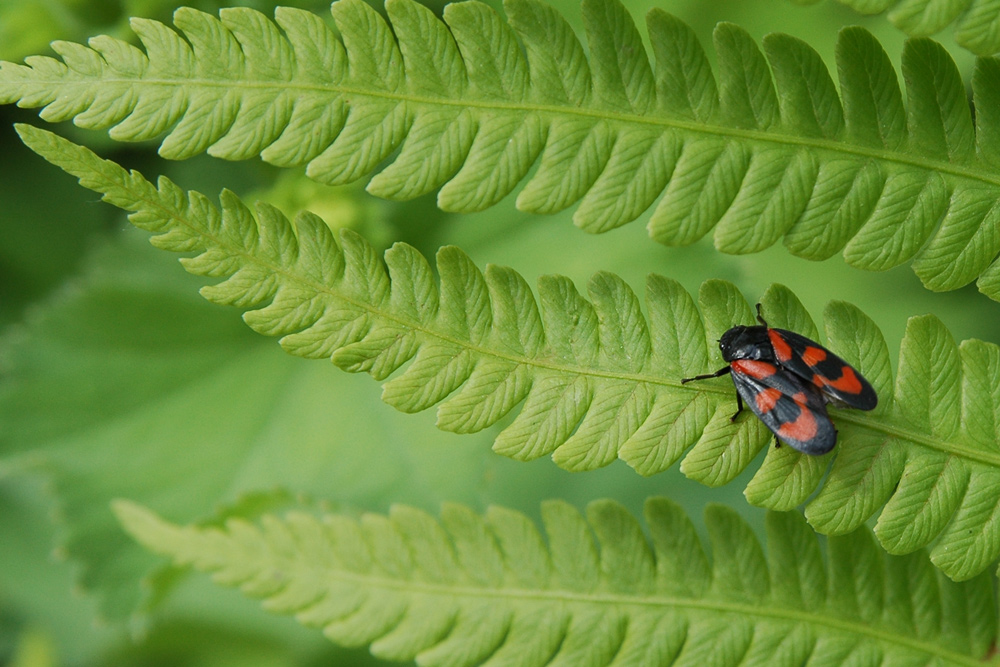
(514, 595)
(955, 448)
(974, 173)
(988, 458)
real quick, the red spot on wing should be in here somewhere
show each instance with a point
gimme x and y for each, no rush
(767, 399)
(782, 351)
(804, 427)
(755, 369)
(848, 381)
(813, 355)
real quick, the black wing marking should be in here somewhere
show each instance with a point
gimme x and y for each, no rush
(817, 365)
(792, 409)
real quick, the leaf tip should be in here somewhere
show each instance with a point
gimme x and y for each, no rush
(30, 134)
(144, 525)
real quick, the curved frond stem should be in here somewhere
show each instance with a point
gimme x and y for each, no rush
(594, 379)
(764, 150)
(466, 589)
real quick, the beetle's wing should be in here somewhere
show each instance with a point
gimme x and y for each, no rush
(819, 366)
(793, 409)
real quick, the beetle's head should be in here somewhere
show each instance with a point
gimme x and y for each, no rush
(742, 342)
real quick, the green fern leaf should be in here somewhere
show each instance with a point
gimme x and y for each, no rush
(595, 379)
(469, 590)
(766, 152)
(977, 22)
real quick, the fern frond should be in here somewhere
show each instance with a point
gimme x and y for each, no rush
(765, 151)
(471, 590)
(977, 22)
(595, 379)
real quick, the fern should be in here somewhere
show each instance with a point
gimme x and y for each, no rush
(766, 151)
(472, 590)
(977, 22)
(597, 380)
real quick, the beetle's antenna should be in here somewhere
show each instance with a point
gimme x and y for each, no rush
(760, 318)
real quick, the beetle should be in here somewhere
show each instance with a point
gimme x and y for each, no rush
(787, 380)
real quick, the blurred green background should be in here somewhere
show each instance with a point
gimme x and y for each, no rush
(117, 380)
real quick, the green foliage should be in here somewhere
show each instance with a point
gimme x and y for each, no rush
(765, 151)
(129, 384)
(123, 384)
(977, 22)
(596, 379)
(470, 590)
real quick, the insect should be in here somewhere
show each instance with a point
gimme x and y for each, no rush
(788, 380)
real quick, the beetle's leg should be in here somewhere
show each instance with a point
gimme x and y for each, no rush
(739, 407)
(719, 373)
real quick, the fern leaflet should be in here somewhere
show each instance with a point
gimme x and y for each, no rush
(470, 590)
(977, 22)
(765, 151)
(595, 379)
